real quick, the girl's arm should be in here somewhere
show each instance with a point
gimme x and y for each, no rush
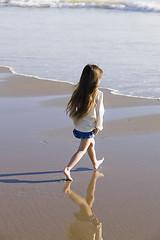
(96, 130)
(99, 111)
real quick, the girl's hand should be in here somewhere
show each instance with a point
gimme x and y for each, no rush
(96, 130)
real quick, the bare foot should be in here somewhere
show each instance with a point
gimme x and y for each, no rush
(66, 171)
(98, 163)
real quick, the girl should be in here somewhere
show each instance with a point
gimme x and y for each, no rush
(86, 109)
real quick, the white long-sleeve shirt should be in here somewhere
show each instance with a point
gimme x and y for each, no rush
(94, 119)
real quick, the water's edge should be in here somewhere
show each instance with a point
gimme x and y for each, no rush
(112, 91)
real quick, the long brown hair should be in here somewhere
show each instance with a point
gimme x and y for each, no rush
(84, 95)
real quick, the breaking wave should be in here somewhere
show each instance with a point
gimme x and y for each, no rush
(130, 5)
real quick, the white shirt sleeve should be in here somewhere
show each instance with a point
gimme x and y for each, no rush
(99, 111)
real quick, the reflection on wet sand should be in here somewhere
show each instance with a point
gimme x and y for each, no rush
(85, 226)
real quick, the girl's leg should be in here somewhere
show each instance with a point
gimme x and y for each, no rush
(84, 144)
(92, 154)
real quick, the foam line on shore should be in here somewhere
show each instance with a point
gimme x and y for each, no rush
(116, 92)
(34, 76)
(111, 91)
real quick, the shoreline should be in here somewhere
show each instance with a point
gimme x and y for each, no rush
(111, 99)
(7, 69)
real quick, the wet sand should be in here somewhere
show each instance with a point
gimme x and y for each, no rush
(36, 143)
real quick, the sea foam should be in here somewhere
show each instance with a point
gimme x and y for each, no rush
(128, 5)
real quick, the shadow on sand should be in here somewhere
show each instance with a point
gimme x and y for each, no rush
(37, 173)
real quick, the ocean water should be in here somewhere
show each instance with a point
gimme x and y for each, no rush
(55, 39)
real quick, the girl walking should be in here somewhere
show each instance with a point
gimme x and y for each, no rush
(86, 109)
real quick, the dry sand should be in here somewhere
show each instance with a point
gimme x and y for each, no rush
(36, 143)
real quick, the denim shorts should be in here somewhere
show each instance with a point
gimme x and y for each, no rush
(83, 135)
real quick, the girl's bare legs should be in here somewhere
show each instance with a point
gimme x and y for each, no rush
(92, 154)
(84, 144)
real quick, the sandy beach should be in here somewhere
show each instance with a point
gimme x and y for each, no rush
(120, 201)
